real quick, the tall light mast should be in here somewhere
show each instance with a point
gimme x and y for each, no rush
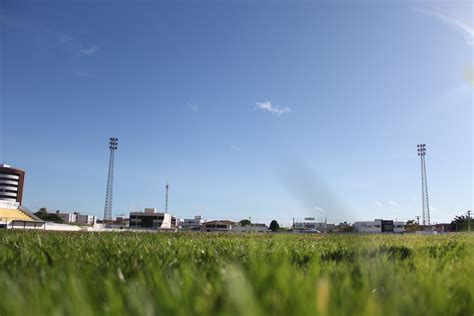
(113, 144)
(424, 186)
(166, 201)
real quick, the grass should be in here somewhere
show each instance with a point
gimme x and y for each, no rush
(208, 274)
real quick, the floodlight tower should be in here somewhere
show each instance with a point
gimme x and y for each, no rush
(424, 186)
(113, 144)
(166, 201)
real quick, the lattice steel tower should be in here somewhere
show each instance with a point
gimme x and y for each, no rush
(166, 202)
(113, 144)
(424, 186)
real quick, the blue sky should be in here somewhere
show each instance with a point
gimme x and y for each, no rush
(247, 108)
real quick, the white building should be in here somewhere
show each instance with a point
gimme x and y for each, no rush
(67, 217)
(252, 228)
(192, 223)
(379, 226)
(85, 219)
(309, 224)
(150, 219)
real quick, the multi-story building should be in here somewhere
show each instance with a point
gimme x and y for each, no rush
(218, 226)
(192, 223)
(11, 184)
(85, 219)
(150, 219)
(67, 217)
(379, 226)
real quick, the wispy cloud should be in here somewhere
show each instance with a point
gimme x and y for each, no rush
(460, 26)
(388, 203)
(235, 148)
(319, 209)
(393, 203)
(274, 109)
(48, 37)
(89, 51)
(193, 107)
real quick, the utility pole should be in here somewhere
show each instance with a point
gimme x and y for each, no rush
(469, 221)
(113, 145)
(418, 220)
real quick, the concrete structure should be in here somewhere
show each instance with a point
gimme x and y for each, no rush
(252, 228)
(12, 215)
(192, 223)
(67, 217)
(309, 224)
(62, 227)
(218, 226)
(76, 218)
(11, 184)
(150, 219)
(379, 226)
(85, 219)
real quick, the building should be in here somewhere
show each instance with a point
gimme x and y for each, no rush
(379, 226)
(442, 227)
(150, 219)
(252, 228)
(85, 219)
(218, 226)
(192, 223)
(67, 217)
(175, 222)
(309, 224)
(14, 216)
(11, 184)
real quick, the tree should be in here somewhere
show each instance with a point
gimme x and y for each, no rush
(245, 222)
(48, 217)
(274, 226)
(460, 223)
(412, 226)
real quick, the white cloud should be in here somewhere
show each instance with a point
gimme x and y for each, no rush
(235, 148)
(47, 36)
(275, 109)
(461, 27)
(89, 51)
(393, 203)
(193, 107)
(319, 209)
(378, 203)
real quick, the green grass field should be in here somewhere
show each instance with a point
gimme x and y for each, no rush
(207, 274)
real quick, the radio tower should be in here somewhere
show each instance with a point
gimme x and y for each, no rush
(424, 186)
(113, 143)
(166, 201)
